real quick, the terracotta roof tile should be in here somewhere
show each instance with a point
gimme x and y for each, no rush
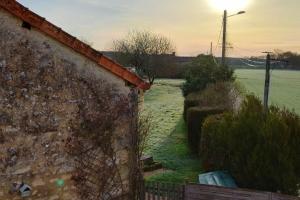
(58, 34)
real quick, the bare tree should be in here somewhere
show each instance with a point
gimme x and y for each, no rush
(144, 51)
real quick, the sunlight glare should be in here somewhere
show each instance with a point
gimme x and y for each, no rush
(231, 5)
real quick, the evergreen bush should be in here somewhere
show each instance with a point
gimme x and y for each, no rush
(260, 149)
(203, 71)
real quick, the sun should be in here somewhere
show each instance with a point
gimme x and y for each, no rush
(231, 5)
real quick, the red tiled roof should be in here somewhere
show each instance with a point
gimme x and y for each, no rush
(58, 34)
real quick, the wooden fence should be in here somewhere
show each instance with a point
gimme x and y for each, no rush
(162, 191)
(205, 192)
(169, 191)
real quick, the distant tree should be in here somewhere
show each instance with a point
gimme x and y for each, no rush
(292, 58)
(144, 51)
(204, 70)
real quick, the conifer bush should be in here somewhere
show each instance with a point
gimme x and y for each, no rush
(202, 71)
(260, 149)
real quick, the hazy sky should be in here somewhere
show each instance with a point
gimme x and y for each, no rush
(190, 24)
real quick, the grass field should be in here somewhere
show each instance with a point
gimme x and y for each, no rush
(284, 90)
(167, 142)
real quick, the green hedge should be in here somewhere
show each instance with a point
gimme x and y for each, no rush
(221, 95)
(203, 71)
(195, 119)
(261, 150)
(188, 103)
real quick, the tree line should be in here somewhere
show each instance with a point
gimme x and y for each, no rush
(152, 56)
(293, 59)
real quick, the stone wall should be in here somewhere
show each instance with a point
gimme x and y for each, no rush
(66, 125)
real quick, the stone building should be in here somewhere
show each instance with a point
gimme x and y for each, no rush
(68, 114)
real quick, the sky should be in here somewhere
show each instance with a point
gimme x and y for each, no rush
(191, 24)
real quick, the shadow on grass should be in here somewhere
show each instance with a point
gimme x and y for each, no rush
(175, 155)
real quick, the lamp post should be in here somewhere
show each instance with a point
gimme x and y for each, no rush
(224, 34)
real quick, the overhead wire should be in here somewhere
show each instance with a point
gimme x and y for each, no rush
(219, 37)
(249, 62)
(218, 41)
(254, 61)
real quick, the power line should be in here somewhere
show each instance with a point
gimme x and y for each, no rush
(217, 44)
(250, 65)
(254, 61)
(249, 62)
(219, 37)
(214, 59)
(249, 50)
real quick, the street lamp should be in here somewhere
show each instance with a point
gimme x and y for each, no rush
(224, 34)
(239, 13)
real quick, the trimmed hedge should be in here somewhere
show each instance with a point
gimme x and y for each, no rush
(195, 119)
(188, 103)
(260, 150)
(221, 95)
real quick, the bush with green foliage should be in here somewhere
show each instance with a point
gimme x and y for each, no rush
(260, 149)
(203, 70)
(189, 103)
(221, 94)
(195, 119)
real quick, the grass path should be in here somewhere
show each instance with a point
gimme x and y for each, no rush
(167, 142)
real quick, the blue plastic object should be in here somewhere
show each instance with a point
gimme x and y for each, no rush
(217, 178)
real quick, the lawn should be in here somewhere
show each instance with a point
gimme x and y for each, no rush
(167, 142)
(284, 88)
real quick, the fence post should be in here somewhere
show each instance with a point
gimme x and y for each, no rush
(163, 187)
(148, 191)
(142, 190)
(162, 191)
(158, 190)
(183, 191)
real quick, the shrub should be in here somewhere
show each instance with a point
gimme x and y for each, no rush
(195, 118)
(202, 71)
(189, 103)
(261, 150)
(221, 94)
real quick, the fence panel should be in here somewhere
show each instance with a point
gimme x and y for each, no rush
(171, 191)
(205, 192)
(162, 191)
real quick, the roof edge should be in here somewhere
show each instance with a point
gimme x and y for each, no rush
(40, 23)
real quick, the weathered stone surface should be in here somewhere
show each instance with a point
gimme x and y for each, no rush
(48, 95)
(22, 170)
(122, 157)
(38, 182)
(54, 197)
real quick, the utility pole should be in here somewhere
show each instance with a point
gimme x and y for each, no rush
(267, 81)
(224, 45)
(211, 47)
(224, 38)
(267, 78)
